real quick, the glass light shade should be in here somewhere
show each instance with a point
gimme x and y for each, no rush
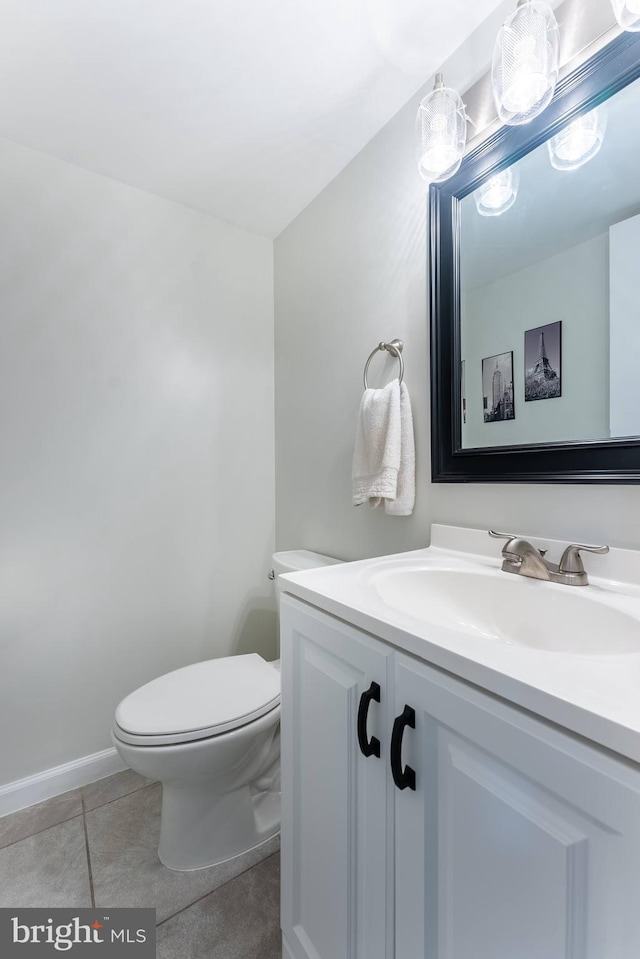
(579, 142)
(627, 13)
(524, 71)
(498, 194)
(440, 133)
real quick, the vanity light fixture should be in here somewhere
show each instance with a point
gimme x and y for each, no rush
(524, 71)
(499, 193)
(440, 133)
(627, 13)
(579, 141)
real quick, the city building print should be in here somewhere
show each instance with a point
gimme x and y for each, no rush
(542, 362)
(497, 387)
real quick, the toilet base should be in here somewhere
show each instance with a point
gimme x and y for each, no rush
(199, 830)
(219, 862)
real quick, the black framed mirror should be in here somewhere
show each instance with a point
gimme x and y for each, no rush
(535, 291)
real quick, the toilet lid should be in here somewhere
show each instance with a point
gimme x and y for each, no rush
(201, 700)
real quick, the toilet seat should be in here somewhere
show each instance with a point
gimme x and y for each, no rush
(199, 701)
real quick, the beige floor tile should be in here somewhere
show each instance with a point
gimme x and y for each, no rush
(27, 822)
(47, 870)
(112, 787)
(239, 921)
(123, 844)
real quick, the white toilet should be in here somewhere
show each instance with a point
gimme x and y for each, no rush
(210, 733)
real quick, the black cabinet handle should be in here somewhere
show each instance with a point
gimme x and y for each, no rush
(406, 777)
(368, 747)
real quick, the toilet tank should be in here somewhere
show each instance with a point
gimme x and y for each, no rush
(295, 560)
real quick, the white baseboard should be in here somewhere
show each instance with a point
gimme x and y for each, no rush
(60, 779)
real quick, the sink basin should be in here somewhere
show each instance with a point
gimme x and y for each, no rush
(513, 609)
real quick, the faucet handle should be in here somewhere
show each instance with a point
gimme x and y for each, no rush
(495, 535)
(515, 547)
(571, 561)
(506, 553)
(511, 538)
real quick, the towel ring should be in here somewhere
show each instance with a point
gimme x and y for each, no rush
(395, 348)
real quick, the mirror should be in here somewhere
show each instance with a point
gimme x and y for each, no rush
(535, 309)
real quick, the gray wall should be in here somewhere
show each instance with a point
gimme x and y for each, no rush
(136, 479)
(352, 270)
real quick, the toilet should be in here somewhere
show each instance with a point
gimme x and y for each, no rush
(210, 733)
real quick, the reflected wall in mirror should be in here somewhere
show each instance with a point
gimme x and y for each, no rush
(535, 246)
(566, 251)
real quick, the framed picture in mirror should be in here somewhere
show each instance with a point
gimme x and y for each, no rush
(542, 359)
(497, 388)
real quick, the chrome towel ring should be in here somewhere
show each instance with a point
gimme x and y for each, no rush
(395, 348)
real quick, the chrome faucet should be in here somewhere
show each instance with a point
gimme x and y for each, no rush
(520, 557)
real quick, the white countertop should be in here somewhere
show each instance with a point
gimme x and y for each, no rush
(595, 695)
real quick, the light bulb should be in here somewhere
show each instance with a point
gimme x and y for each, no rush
(441, 155)
(439, 159)
(524, 92)
(525, 62)
(440, 133)
(627, 13)
(498, 194)
(579, 141)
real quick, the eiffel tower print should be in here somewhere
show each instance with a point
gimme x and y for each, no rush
(542, 362)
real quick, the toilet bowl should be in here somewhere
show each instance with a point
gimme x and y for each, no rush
(210, 734)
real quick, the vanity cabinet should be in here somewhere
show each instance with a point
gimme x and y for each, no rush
(478, 832)
(337, 805)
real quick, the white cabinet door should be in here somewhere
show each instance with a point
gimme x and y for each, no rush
(336, 819)
(519, 841)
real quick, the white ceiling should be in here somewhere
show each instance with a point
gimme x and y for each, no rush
(245, 109)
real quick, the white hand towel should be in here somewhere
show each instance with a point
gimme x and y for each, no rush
(405, 497)
(376, 456)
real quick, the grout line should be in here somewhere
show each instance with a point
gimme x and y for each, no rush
(38, 832)
(75, 815)
(217, 888)
(108, 802)
(86, 843)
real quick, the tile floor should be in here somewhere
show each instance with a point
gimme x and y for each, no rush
(97, 846)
